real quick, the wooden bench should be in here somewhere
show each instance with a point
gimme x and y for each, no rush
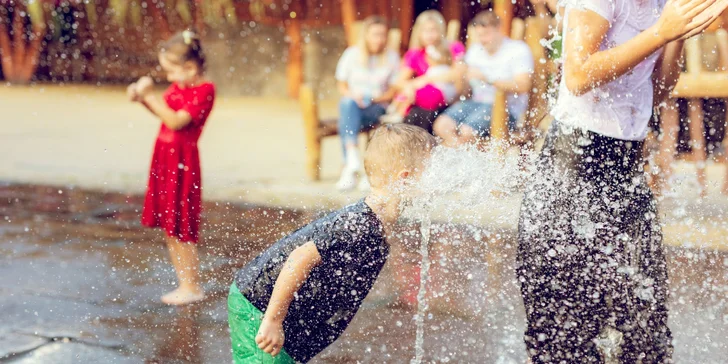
(315, 129)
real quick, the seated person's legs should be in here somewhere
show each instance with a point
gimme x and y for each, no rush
(446, 125)
(476, 124)
(352, 120)
(471, 119)
(403, 101)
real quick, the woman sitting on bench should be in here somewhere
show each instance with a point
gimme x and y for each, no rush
(365, 73)
(429, 100)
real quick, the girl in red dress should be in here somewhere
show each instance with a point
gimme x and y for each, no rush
(174, 195)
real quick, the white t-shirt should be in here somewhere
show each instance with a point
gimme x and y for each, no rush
(622, 108)
(512, 58)
(370, 79)
(448, 88)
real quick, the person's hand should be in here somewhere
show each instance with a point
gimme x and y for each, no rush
(144, 86)
(358, 98)
(131, 92)
(475, 74)
(270, 336)
(707, 17)
(681, 17)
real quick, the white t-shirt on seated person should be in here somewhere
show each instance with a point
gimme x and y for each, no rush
(512, 58)
(368, 79)
(622, 108)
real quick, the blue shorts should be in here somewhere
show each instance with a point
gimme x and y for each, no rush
(475, 115)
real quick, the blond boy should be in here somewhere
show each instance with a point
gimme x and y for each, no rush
(299, 296)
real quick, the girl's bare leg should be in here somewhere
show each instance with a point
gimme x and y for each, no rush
(186, 262)
(722, 42)
(670, 121)
(697, 140)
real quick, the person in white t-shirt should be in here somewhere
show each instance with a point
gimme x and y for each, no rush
(495, 62)
(590, 258)
(365, 74)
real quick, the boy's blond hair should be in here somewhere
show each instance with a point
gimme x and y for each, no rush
(393, 148)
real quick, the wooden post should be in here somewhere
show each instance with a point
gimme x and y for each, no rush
(504, 10)
(295, 56)
(537, 103)
(311, 132)
(453, 12)
(384, 7)
(348, 17)
(453, 30)
(406, 13)
(499, 116)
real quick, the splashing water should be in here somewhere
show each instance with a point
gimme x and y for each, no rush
(462, 183)
(421, 300)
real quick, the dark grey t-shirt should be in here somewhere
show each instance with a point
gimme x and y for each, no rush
(353, 251)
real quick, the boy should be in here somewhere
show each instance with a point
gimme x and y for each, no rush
(311, 283)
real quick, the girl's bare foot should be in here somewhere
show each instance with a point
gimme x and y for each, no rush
(184, 296)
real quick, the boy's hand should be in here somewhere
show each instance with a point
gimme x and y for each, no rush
(131, 92)
(270, 337)
(144, 86)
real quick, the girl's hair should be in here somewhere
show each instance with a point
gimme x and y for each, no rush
(427, 16)
(185, 46)
(368, 23)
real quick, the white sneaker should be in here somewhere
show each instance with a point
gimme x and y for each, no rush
(347, 181)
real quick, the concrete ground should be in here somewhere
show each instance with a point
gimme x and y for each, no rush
(82, 280)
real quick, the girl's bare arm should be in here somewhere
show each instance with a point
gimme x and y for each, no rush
(586, 67)
(174, 120)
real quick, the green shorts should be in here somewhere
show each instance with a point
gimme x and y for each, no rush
(244, 320)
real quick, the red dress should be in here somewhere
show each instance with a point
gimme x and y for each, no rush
(174, 194)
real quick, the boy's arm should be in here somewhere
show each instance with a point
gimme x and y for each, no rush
(294, 272)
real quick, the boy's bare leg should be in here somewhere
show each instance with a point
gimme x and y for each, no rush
(186, 261)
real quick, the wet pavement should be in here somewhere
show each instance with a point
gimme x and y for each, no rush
(82, 280)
